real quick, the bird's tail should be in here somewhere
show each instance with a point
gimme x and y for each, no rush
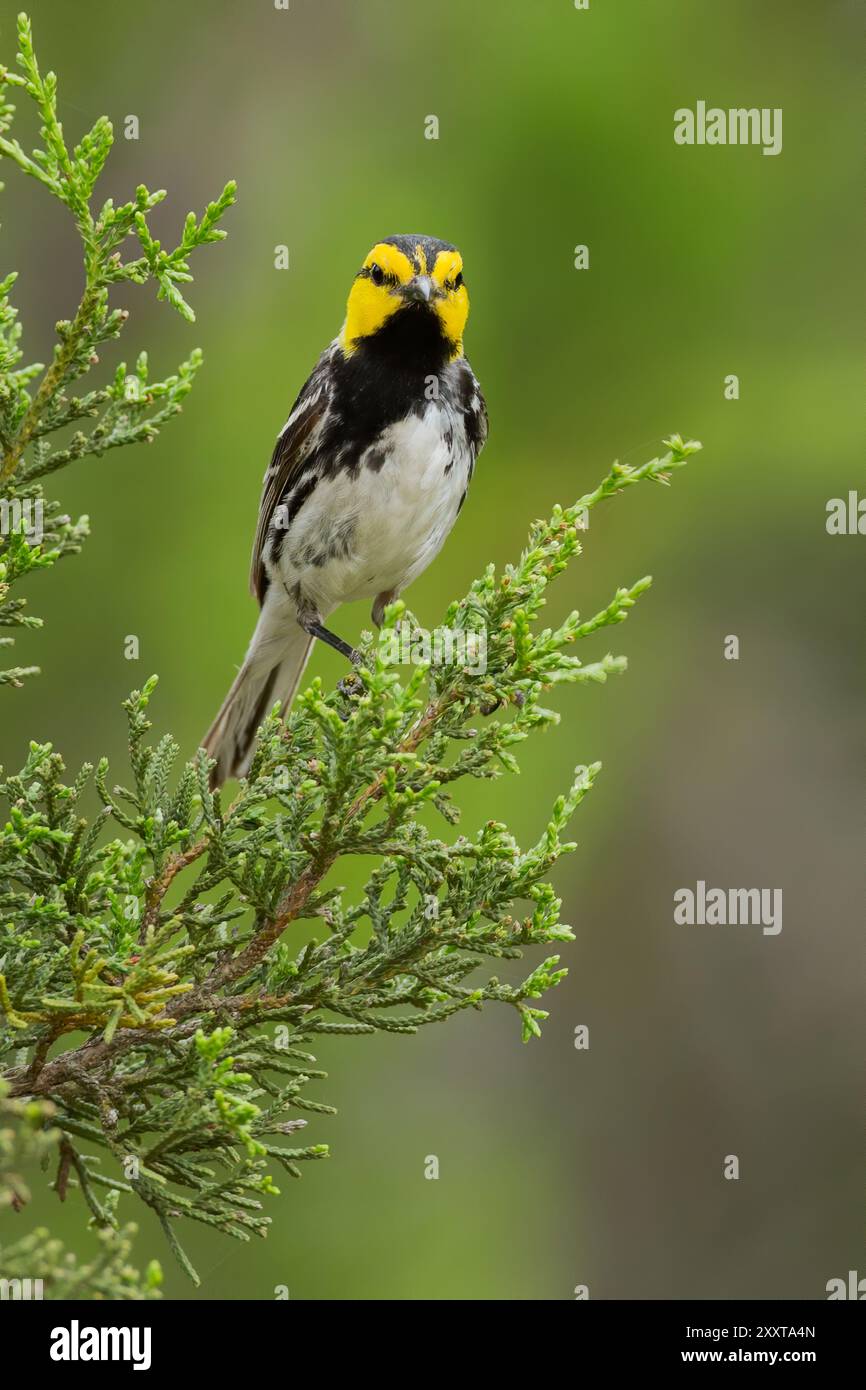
(272, 670)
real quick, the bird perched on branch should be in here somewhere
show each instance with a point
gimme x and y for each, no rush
(367, 477)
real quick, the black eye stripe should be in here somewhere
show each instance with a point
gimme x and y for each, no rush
(366, 273)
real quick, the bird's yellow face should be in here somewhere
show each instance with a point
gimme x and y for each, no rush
(407, 273)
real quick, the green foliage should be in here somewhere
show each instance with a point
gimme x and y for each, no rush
(48, 416)
(162, 955)
(27, 1138)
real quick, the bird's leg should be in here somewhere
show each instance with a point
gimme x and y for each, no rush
(381, 603)
(316, 629)
(349, 685)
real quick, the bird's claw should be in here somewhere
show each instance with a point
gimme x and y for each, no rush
(350, 686)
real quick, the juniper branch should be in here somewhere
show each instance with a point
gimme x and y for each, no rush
(171, 948)
(131, 408)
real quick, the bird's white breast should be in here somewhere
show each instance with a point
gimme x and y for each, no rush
(380, 524)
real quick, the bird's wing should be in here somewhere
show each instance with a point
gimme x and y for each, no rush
(474, 414)
(292, 451)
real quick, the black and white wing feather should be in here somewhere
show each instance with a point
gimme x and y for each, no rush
(293, 453)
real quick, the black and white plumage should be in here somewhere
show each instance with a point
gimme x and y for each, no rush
(367, 477)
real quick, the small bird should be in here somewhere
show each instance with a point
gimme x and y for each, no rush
(367, 477)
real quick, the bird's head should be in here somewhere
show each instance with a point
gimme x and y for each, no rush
(409, 288)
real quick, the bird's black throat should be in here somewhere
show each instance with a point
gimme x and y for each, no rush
(383, 381)
(411, 341)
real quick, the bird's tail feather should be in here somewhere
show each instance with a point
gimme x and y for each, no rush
(272, 670)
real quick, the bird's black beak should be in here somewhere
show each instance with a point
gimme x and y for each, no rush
(419, 291)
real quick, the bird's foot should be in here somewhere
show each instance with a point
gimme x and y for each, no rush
(351, 686)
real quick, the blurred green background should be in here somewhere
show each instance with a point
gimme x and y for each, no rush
(558, 1167)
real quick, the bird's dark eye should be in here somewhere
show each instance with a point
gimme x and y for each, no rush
(458, 280)
(377, 274)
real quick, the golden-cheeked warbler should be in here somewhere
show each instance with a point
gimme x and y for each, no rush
(367, 476)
